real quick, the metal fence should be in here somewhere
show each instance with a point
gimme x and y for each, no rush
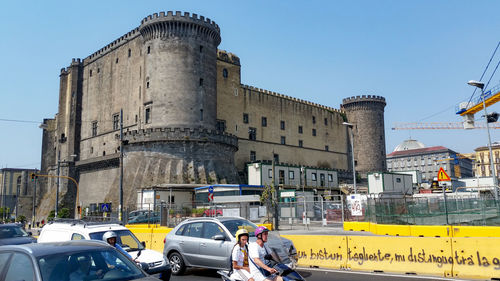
(324, 211)
(311, 211)
(452, 209)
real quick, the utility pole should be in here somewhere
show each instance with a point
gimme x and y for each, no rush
(120, 207)
(34, 202)
(57, 186)
(4, 190)
(276, 216)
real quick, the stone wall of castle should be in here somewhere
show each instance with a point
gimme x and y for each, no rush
(327, 148)
(366, 113)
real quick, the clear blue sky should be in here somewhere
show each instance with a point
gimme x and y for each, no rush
(417, 54)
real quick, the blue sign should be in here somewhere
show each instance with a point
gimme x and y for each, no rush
(105, 207)
(210, 189)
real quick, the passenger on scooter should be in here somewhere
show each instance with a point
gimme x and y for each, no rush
(257, 251)
(240, 255)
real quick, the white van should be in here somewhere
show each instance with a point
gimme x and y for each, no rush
(69, 229)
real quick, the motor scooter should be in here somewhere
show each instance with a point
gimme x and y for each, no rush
(272, 260)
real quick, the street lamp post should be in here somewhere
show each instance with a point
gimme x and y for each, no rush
(480, 85)
(350, 126)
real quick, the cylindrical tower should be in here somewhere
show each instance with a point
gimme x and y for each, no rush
(366, 113)
(178, 143)
(180, 69)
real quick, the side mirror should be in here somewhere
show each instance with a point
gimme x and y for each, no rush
(144, 266)
(143, 244)
(30, 233)
(219, 237)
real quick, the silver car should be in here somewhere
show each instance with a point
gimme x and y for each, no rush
(208, 242)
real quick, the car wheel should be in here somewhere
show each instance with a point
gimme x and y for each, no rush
(176, 263)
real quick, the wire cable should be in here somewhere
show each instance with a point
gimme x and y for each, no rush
(484, 72)
(19, 121)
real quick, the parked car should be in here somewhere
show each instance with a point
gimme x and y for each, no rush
(14, 234)
(80, 260)
(207, 242)
(212, 213)
(145, 218)
(69, 229)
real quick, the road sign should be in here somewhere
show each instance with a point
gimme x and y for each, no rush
(285, 194)
(443, 176)
(105, 207)
(210, 189)
(210, 197)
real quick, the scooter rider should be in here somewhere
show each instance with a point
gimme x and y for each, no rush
(257, 251)
(110, 238)
(240, 255)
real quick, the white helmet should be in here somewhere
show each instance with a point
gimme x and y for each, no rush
(107, 235)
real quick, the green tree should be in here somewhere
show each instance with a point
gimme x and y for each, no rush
(267, 199)
(63, 213)
(21, 219)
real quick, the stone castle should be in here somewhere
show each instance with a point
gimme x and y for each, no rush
(187, 118)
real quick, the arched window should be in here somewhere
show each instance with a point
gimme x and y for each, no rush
(225, 73)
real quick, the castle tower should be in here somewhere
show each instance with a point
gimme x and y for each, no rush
(180, 69)
(179, 143)
(366, 113)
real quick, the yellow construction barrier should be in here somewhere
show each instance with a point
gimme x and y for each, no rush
(476, 231)
(356, 226)
(438, 256)
(426, 256)
(320, 251)
(158, 236)
(143, 234)
(476, 258)
(393, 230)
(430, 231)
(267, 225)
(424, 230)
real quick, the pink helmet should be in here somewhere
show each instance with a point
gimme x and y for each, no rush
(260, 230)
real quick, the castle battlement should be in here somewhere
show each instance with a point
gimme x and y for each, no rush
(292, 99)
(74, 62)
(113, 45)
(178, 16)
(180, 134)
(363, 98)
(164, 25)
(228, 57)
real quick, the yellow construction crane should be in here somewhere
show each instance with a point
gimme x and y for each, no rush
(439, 126)
(456, 163)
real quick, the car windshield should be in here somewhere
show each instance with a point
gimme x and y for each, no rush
(12, 232)
(125, 238)
(235, 225)
(106, 264)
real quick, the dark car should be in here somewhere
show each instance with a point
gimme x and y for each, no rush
(62, 261)
(14, 234)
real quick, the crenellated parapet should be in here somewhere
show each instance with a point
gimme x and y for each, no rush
(228, 57)
(113, 45)
(170, 134)
(271, 93)
(165, 25)
(364, 98)
(74, 62)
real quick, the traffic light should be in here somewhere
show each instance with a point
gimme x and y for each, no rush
(33, 176)
(492, 117)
